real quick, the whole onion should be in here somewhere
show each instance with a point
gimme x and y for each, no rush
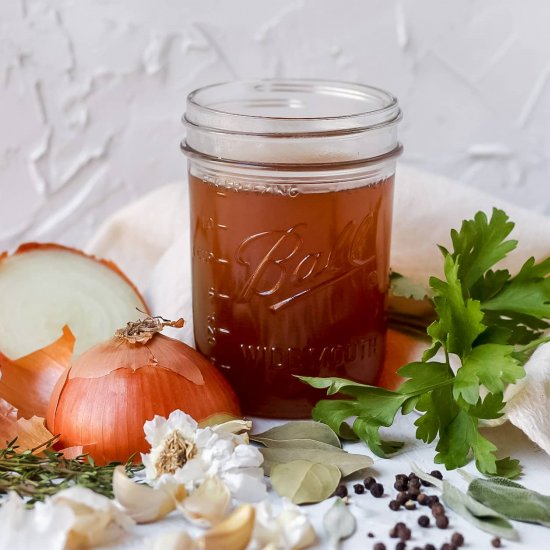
(103, 399)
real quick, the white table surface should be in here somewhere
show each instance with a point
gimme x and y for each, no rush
(374, 515)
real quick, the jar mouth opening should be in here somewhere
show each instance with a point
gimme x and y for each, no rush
(293, 166)
(290, 107)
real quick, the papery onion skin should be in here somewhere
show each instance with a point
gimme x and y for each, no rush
(105, 406)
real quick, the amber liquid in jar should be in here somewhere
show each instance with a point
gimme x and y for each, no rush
(288, 282)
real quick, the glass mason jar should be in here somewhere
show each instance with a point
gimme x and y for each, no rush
(291, 190)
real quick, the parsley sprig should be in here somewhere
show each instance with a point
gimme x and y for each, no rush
(490, 322)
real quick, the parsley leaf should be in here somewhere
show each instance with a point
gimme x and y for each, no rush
(490, 321)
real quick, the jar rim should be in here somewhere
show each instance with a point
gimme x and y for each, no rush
(344, 107)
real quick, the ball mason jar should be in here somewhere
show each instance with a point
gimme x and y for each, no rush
(291, 190)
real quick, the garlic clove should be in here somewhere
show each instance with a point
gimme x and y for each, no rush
(208, 504)
(297, 528)
(233, 533)
(143, 503)
(97, 520)
(291, 529)
(175, 540)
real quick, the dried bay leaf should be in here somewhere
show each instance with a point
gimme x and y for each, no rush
(305, 482)
(339, 522)
(347, 463)
(300, 429)
(299, 444)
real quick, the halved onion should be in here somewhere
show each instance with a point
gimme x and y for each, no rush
(44, 287)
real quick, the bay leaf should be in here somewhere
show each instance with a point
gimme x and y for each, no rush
(300, 429)
(348, 463)
(299, 443)
(305, 482)
(339, 522)
(512, 500)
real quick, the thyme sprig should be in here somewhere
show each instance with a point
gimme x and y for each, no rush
(35, 477)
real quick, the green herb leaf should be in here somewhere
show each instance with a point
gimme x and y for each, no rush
(478, 514)
(305, 482)
(36, 477)
(298, 429)
(406, 288)
(481, 244)
(512, 500)
(490, 365)
(489, 321)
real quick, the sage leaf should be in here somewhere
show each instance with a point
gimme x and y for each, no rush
(478, 514)
(305, 482)
(512, 500)
(302, 429)
(347, 463)
(339, 522)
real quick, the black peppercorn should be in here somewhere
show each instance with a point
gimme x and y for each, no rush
(377, 490)
(496, 542)
(394, 505)
(401, 477)
(437, 474)
(400, 545)
(401, 498)
(404, 534)
(401, 485)
(413, 493)
(359, 488)
(379, 546)
(438, 510)
(442, 521)
(414, 482)
(410, 505)
(370, 535)
(341, 492)
(424, 521)
(429, 547)
(457, 539)
(447, 546)
(433, 499)
(368, 482)
(425, 483)
(423, 499)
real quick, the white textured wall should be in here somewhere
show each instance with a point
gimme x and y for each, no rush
(91, 91)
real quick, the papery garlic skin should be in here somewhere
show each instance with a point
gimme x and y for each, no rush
(290, 530)
(45, 527)
(207, 454)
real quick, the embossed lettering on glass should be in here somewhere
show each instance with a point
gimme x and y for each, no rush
(291, 189)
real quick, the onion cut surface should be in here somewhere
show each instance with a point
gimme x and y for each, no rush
(44, 287)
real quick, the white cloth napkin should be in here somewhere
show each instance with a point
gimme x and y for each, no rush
(149, 240)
